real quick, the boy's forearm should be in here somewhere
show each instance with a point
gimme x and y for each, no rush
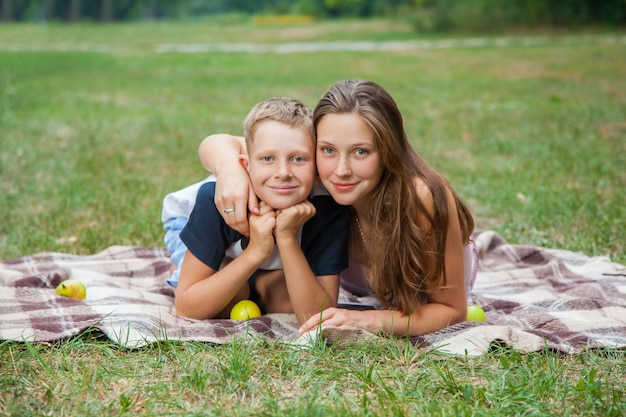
(208, 297)
(307, 294)
(220, 148)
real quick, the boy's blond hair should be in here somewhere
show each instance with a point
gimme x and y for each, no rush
(286, 110)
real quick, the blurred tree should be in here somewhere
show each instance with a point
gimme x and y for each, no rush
(498, 14)
(425, 14)
(13, 9)
(123, 9)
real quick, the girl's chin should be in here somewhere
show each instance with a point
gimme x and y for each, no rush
(343, 199)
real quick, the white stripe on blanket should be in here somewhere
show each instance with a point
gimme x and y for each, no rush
(535, 299)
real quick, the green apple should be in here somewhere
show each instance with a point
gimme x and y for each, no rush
(245, 310)
(71, 288)
(475, 313)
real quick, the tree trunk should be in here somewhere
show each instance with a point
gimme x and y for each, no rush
(73, 13)
(5, 11)
(45, 10)
(105, 11)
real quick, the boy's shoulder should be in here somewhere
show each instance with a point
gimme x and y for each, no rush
(328, 211)
(180, 203)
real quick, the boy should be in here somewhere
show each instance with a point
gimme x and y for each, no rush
(298, 242)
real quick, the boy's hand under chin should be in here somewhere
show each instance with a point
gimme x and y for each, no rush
(291, 219)
(261, 231)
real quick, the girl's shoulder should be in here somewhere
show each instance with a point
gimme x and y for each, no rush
(420, 186)
(423, 192)
(428, 200)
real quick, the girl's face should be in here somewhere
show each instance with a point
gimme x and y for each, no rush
(348, 162)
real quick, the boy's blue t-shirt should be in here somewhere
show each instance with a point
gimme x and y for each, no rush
(324, 237)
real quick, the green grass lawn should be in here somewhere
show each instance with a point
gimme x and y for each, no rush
(91, 139)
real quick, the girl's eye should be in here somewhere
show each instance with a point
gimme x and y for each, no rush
(361, 152)
(327, 150)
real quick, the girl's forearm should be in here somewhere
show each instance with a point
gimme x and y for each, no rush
(219, 149)
(430, 318)
(220, 154)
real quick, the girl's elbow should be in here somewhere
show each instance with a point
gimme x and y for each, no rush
(460, 315)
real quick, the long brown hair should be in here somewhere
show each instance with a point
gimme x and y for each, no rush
(404, 259)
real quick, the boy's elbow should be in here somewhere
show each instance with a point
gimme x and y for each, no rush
(182, 310)
(330, 302)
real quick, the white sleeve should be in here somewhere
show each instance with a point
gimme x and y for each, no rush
(180, 203)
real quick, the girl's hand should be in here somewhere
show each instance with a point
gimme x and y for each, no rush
(262, 232)
(291, 219)
(234, 191)
(339, 317)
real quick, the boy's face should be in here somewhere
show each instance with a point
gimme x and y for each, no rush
(281, 164)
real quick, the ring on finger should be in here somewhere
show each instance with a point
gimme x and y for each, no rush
(229, 210)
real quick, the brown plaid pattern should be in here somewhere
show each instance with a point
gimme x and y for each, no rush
(535, 299)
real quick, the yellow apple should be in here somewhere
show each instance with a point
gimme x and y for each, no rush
(244, 310)
(71, 288)
(475, 313)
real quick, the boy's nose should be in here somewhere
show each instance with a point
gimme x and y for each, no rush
(283, 171)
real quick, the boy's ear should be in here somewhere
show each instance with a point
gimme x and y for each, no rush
(244, 161)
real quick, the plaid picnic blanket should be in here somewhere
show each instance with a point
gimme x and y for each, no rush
(535, 298)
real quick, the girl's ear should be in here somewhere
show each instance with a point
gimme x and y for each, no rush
(243, 160)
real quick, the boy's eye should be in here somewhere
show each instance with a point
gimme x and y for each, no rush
(297, 159)
(266, 158)
(327, 150)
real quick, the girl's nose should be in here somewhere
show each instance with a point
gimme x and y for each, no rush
(343, 168)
